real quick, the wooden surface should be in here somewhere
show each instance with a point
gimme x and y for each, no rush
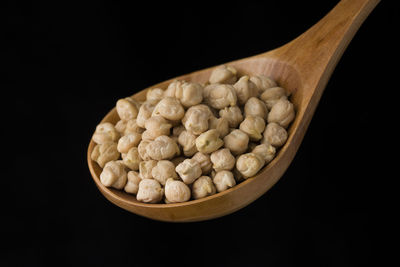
(304, 67)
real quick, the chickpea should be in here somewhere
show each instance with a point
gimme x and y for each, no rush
(272, 95)
(222, 160)
(249, 164)
(128, 141)
(223, 74)
(132, 186)
(170, 108)
(104, 153)
(126, 109)
(237, 142)
(233, 115)
(203, 187)
(263, 82)
(173, 87)
(145, 112)
(251, 146)
(188, 142)
(256, 107)
(189, 170)
(265, 151)
(282, 113)
(163, 147)
(113, 174)
(164, 170)
(245, 89)
(220, 124)
(253, 127)
(275, 134)
(204, 161)
(105, 132)
(154, 95)
(196, 119)
(176, 191)
(150, 191)
(209, 141)
(142, 149)
(145, 169)
(132, 159)
(221, 96)
(120, 126)
(133, 127)
(189, 94)
(224, 180)
(177, 130)
(155, 127)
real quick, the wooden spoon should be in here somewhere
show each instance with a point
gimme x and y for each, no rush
(303, 66)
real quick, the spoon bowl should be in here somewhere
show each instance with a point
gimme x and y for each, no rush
(303, 67)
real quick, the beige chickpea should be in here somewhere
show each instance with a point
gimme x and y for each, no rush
(188, 142)
(145, 112)
(177, 130)
(233, 115)
(150, 191)
(263, 82)
(114, 174)
(253, 127)
(220, 124)
(132, 186)
(173, 87)
(126, 109)
(145, 169)
(245, 89)
(142, 149)
(155, 127)
(224, 180)
(105, 132)
(133, 127)
(223, 74)
(209, 142)
(189, 170)
(275, 135)
(120, 126)
(177, 160)
(176, 191)
(132, 159)
(249, 164)
(272, 95)
(189, 94)
(104, 153)
(203, 187)
(222, 160)
(256, 107)
(163, 147)
(196, 119)
(204, 161)
(221, 96)
(163, 170)
(128, 141)
(265, 151)
(237, 142)
(282, 113)
(170, 108)
(154, 95)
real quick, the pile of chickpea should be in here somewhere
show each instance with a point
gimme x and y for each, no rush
(191, 140)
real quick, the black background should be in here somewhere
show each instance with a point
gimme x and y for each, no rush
(71, 61)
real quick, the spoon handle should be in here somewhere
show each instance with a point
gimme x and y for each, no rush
(315, 53)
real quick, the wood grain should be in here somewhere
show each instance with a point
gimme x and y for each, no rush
(304, 67)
